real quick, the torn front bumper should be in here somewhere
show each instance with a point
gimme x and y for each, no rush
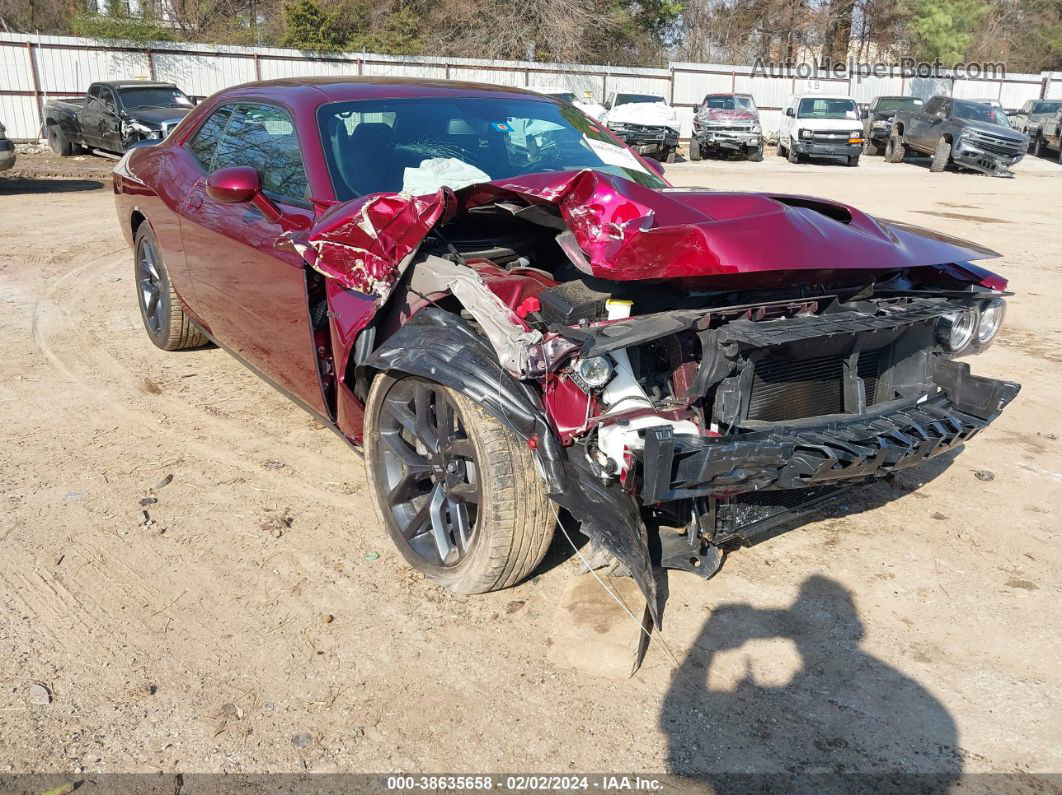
(648, 140)
(817, 149)
(969, 156)
(803, 455)
(733, 140)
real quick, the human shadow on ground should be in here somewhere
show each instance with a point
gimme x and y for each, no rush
(845, 721)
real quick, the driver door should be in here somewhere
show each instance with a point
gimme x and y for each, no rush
(250, 292)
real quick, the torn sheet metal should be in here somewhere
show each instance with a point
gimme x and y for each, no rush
(626, 232)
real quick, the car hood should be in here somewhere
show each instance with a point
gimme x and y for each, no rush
(725, 116)
(995, 129)
(623, 231)
(653, 114)
(158, 115)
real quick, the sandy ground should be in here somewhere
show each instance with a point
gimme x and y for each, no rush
(263, 622)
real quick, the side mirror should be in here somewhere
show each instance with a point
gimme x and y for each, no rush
(655, 165)
(865, 113)
(240, 184)
(234, 185)
(696, 108)
(790, 113)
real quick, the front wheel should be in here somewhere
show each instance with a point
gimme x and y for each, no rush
(695, 150)
(871, 148)
(756, 155)
(458, 491)
(164, 318)
(941, 156)
(1037, 147)
(792, 154)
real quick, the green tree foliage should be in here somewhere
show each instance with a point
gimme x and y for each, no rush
(944, 29)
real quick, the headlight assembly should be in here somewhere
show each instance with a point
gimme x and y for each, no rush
(991, 321)
(756, 129)
(593, 373)
(880, 124)
(956, 331)
(806, 134)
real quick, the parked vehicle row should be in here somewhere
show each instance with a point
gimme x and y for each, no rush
(509, 326)
(1041, 120)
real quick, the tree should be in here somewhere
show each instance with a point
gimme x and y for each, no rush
(944, 29)
(308, 26)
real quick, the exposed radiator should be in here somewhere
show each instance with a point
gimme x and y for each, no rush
(791, 389)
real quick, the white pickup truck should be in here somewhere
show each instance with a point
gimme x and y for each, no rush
(826, 126)
(645, 122)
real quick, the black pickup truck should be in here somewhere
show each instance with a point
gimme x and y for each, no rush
(113, 116)
(969, 134)
(877, 120)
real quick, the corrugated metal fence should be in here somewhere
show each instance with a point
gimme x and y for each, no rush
(34, 68)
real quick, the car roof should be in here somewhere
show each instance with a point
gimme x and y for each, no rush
(897, 96)
(134, 84)
(342, 89)
(824, 96)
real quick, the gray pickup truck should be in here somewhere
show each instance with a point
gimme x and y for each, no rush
(113, 116)
(1039, 119)
(969, 134)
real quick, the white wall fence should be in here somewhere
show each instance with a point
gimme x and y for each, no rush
(36, 68)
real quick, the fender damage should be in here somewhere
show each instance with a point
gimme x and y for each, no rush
(761, 350)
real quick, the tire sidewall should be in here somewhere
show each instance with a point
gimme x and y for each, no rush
(471, 568)
(145, 233)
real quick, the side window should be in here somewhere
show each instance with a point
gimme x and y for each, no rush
(933, 106)
(205, 142)
(942, 112)
(107, 98)
(263, 136)
(93, 93)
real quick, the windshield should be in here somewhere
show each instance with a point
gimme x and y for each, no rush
(729, 102)
(976, 111)
(898, 103)
(823, 108)
(563, 96)
(154, 97)
(1046, 107)
(418, 145)
(634, 99)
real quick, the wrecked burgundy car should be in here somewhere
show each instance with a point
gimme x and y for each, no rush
(507, 327)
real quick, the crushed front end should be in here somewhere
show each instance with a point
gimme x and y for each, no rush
(730, 421)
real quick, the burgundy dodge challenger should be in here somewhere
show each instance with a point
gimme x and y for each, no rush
(511, 313)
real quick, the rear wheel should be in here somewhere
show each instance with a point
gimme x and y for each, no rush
(871, 148)
(458, 492)
(58, 141)
(941, 156)
(695, 150)
(895, 150)
(164, 318)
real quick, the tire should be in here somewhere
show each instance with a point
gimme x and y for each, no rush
(695, 150)
(756, 155)
(1037, 147)
(853, 161)
(670, 156)
(164, 318)
(510, 522)
(871, 148)
(941, 156)
(58, 141)
(895, 149)
(1060, 151)
(792, 155)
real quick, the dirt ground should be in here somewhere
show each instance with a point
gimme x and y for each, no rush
(261, 621)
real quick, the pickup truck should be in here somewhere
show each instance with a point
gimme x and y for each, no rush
(877, 120)
(727, 123)
(960, 131)
(7, 150)
(1033, 118)
(113, 116)
(645, 122)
